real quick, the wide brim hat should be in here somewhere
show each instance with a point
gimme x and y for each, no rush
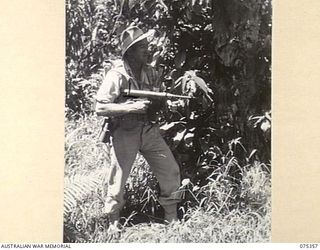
(131, 36)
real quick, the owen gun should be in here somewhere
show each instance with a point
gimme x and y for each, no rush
(153, 94)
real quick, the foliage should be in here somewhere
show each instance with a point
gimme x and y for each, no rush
(85, 187)
(217, 51)
(225, 45)
(206, 207)
(89, 43)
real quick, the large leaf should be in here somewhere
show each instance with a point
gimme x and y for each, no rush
(202, 85)
(179, 136)
(169, 125)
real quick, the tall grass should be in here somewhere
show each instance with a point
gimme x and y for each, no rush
(221, 210)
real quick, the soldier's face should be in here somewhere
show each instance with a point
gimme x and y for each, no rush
(139, 52)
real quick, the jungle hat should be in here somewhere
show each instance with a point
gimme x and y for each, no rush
(131, 36)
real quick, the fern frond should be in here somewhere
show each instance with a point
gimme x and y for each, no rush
(79, 186)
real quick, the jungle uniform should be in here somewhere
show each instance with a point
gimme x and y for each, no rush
(135, 133)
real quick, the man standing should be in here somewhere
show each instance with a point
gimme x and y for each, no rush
(132, 130)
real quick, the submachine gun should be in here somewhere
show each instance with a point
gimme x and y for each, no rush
(153, 94)
(106, 130)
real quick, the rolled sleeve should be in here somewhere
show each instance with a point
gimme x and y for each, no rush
(110, 88)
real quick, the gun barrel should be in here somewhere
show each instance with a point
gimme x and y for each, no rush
(147, 93)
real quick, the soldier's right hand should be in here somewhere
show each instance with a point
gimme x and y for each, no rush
(139, 106)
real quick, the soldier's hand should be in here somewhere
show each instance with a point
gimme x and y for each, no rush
(139, 106)
(173, 106)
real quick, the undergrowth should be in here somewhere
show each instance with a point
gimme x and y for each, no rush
(220, 210)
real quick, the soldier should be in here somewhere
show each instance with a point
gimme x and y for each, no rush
(132, 129)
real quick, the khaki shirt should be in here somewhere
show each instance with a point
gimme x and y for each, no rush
(118, 79)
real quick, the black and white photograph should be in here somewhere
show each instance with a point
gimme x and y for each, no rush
(167, 121)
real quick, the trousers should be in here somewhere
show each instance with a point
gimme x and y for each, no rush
(129, 138)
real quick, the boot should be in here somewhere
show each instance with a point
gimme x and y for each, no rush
(114, 217)
(114, 225)
(170, 213)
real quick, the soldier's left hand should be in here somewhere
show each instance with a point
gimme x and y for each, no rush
(174, 105)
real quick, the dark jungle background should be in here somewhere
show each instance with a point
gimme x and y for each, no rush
(218, 51)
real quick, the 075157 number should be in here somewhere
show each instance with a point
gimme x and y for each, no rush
(309, 246)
